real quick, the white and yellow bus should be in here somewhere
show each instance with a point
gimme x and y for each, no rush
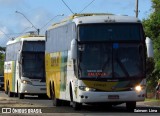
(96, 58)
(24, 68)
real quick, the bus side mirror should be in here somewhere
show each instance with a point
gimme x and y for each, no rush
(149, 46)
(74, 49)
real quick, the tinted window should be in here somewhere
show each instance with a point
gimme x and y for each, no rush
(37, 46)
(108, 32)
(109, 60)
(33, 65)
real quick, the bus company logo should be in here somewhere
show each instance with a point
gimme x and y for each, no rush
(6, 110)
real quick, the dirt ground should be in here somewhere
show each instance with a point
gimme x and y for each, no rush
(7, 102)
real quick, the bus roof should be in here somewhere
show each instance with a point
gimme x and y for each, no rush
(96, 18)
(27, 38)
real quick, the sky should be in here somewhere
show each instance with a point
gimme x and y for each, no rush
(43, 13)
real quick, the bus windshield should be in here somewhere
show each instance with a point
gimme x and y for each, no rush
(33, 65)
(33, 59)
(111, 60)
(110, 32)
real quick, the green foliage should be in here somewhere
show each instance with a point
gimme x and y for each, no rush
(152, 30)
(2, 51)
(150, 66)
(1, 64)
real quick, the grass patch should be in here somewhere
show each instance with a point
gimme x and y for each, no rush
(152, 100)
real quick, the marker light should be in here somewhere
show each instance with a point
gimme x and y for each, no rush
(26, 82)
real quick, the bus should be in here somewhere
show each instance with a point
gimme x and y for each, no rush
(97, 58)
(24, 67)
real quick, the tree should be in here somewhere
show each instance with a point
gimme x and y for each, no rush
(152, 30)
(2, 51)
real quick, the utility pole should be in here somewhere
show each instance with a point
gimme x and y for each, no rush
(137, 11)
(38, 30)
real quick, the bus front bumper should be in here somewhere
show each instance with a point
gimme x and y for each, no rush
(32, 89)
(125, 96)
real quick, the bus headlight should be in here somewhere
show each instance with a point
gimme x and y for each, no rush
(26, 82)
(138, 88)
(84, 88)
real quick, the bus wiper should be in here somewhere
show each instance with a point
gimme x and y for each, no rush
(103, 67)
(122, 67)
(106, 62)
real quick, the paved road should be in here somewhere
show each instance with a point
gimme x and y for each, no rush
(46, 106)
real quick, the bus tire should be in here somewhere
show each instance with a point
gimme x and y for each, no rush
(20, 95)
(56, 102)
(10, 94)
(43, 96)
(6, 89)
(16, 94)
(75, 105)
(131, 106)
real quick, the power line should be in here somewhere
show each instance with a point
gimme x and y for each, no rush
(87, 6)
(4, 34)
(50, 21)
(68, 7)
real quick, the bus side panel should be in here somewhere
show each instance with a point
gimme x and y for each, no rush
(5, 75)
(47, 68)
(63, 74)
(9, 75)
(55, 65)
(70, 75)
(13, 76)
(53, 72)
(17, 74)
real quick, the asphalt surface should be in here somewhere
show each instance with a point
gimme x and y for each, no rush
(45, 105)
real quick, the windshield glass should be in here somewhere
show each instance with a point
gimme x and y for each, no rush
(36, 46)
(95, 60)
(128, 60)
(110, 60)
(110, 32)
(33, 65)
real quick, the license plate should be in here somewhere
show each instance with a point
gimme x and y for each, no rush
(113, 96)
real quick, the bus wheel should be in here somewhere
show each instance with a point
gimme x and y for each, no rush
(16, 94)
(20, 95)
(75, 105)
(56, 102)
(10, 94)
(6, 90)
(130, 106)
(43, 96)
